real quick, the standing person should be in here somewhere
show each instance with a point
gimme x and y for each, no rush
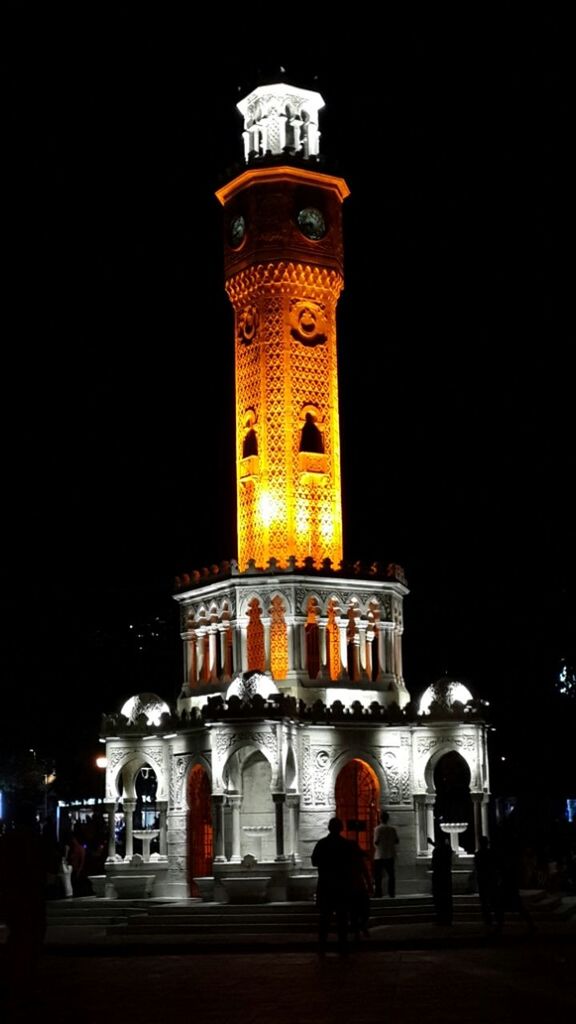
(23, 878)
(76, 859)
(486, 879)
(334, 857)
(385, 843)
(442, 879)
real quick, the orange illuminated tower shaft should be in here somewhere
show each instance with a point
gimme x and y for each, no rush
(284, 273)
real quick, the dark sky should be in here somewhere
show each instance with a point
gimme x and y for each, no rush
(117, 408)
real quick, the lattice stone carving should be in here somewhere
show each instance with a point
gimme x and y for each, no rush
(284, 509)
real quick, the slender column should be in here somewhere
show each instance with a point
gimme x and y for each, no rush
(279, 799)
(362, 652)
(162, 806)
(398, 659)
(430, 800)
(293, 804)
(191, 652)
(244, 646)
(235, 802)
(212, 660)
(366, 637)
(226, 652)
(322, 649)
(302, 645)
(200, 654)
(355, 675)
(290, 627)
(342, 626)
(111, 811)
(129, 806)
(265, 620)
(484, 813)
(477, 806)
(218, 819)
(381, 633)
(389, 652)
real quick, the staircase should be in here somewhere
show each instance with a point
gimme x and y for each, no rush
(103, 922)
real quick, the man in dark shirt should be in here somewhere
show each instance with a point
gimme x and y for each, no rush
(334, 857)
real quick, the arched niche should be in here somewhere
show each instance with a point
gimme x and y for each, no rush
(357, 793)
(451, 777)
(199, 828)
(257, 817)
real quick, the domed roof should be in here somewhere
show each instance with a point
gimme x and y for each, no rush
(149, 704)
(444, 692)
(250, 684)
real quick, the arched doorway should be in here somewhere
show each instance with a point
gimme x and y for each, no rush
(199, 831)
(358, 803)
(453, 801)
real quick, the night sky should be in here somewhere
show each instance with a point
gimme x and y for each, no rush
(456, 398)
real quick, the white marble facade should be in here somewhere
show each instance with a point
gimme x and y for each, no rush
(271, 751)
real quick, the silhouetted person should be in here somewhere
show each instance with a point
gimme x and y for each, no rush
(487, 879)
(23, 900)
(334, 857)
(385, 843)
(508, 889)
(77, 859)
(442, 879)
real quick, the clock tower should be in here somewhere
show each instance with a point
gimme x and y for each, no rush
(293, 705)
(284, 274)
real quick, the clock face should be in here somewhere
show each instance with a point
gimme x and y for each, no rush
(311, 223)
(237, 231)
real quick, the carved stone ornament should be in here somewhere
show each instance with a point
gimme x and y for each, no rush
(119, 754)
(322, 759)
(248, 320)
(428, 743)
(307, 795)
(391, 770)
(307, 322)
(180, 767)
(226, 740)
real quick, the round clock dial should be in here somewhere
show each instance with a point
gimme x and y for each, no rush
(311, 223)
(237, 231)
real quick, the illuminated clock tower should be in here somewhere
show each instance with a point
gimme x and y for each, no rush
(293, 704)
(284, 274)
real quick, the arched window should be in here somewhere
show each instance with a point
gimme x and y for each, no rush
(250, 444)
(311, 439)
(333, 643)
(255, 638)
(278, 640)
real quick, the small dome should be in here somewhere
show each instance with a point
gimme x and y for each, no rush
(445, 692)
(250, 684)
(149, 704)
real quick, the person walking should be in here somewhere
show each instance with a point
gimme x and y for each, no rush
(335, 858)
(385, 843)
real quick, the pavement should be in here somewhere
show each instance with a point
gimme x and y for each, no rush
(403, 973)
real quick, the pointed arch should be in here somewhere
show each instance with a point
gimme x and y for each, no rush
(334, 664)
(255, 651)
(199, 833)
(278, 639)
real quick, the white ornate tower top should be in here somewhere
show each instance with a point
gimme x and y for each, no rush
(281, 118)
